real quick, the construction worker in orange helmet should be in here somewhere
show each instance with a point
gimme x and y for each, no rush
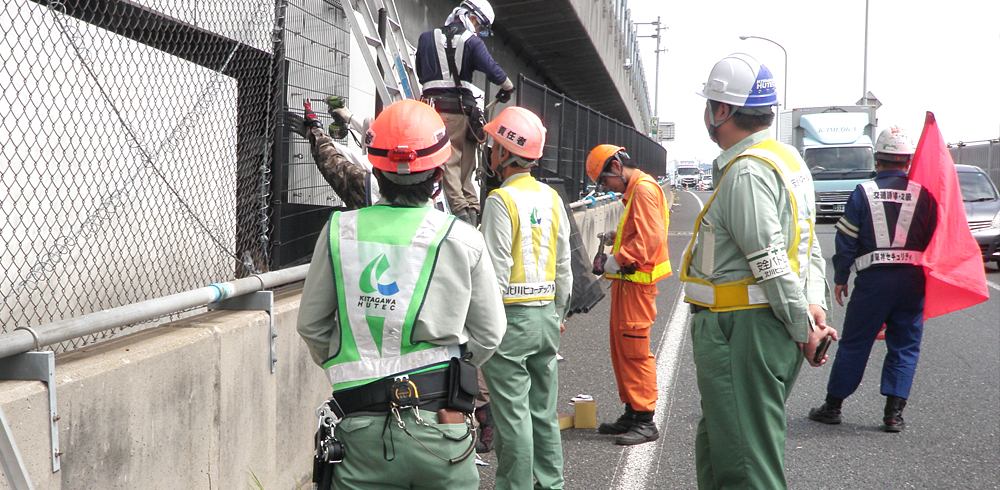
(638, 259)
(527, 235)
(381, 315)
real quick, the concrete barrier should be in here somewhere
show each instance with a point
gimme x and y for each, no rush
(190, 404)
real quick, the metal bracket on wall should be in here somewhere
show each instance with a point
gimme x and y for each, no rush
(32, 366)
(260, 300)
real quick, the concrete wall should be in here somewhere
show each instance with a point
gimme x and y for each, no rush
(191, 404)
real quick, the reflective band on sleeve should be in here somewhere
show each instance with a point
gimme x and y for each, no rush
(847, 228)
(897, 257)
(769, 263)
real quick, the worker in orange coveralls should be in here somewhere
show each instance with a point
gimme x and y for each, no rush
(637, 261)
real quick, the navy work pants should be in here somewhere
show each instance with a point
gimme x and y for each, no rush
(893, 295)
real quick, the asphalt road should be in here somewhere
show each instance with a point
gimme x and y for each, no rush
(952, 439)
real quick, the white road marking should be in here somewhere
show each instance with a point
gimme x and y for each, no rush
(700, 205)
(993, 285)
(636, 469)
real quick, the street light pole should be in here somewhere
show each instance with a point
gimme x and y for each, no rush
(864, 89)
(656, 89)
(784, 101)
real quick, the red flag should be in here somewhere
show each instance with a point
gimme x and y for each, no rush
(953, 262)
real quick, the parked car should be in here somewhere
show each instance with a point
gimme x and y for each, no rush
(982, 209)
(706, 182)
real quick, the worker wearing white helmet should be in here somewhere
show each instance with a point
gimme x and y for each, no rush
(446, 59)
(887, 224)
(754, 276)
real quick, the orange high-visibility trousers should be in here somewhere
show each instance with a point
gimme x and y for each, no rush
(633, 309)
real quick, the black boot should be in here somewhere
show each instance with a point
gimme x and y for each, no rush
(643, 430)
(473, 217)
(620, 426)
(894, 414)
(829, 413)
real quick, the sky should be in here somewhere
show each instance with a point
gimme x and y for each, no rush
(942, 57)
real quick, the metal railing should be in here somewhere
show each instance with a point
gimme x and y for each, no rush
(573, 129)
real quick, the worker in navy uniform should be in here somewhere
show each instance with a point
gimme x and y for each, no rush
(446, 59)
(887, 224)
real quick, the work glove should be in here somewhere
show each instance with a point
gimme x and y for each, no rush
(297, 124)
(311, 120)
(504, 95)
(611, 266)
(344, 114)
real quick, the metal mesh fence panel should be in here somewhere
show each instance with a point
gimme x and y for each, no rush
(573, 129)
(983, 154)
(137, 145)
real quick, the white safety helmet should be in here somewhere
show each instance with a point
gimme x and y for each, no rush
(894, 145)
(484, 12)
(740, 80)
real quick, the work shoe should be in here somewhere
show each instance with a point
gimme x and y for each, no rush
(620, 426)
(894, 414)
(484, 417)
(640, 432)
(829, 413)
(463, 214)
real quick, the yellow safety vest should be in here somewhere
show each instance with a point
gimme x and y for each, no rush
(661, 259)
(534, 210)
(746, 294)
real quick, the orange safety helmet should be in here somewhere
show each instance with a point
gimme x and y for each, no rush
(520, 131)
(599, 157)
(407, 138)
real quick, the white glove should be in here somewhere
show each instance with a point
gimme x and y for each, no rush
(611, 266)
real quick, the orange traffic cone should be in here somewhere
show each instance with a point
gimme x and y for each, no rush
(881, 333)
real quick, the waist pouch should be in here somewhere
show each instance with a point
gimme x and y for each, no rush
(463, 385)
(451, 103)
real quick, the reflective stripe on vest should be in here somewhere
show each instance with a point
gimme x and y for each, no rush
(530, 204)
(889, 251)
(745, 294)
(383, 259)
(660, 269)
(441, 43)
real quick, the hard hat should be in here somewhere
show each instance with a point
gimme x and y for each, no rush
(740, 80)
(518, 130)
(483, 11)
(893, 144)
(598, 158)
(407, 138)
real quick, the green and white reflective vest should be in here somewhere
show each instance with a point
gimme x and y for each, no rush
(534, 216)
(383, 258)
(746, 294)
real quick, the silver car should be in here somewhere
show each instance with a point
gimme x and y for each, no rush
(982, 209)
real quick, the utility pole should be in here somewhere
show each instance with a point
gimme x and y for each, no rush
(864, 89)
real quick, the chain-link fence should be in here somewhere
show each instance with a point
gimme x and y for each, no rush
(136, 142)
(983, 154)
(573, 129)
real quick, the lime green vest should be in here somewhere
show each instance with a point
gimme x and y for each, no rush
(383, 258)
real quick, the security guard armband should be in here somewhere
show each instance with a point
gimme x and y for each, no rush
(769, 263)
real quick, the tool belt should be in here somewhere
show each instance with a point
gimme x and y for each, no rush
(451, 103)
(454, 387)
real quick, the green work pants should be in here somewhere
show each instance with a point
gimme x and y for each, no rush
(378, 455)
(746, 366)
(524, 387)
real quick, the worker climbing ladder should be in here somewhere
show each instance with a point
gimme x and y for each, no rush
(395, 54)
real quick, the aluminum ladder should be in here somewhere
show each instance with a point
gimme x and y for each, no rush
(400, 78)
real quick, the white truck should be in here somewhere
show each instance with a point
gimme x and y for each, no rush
(837, 144)
(688, 175)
